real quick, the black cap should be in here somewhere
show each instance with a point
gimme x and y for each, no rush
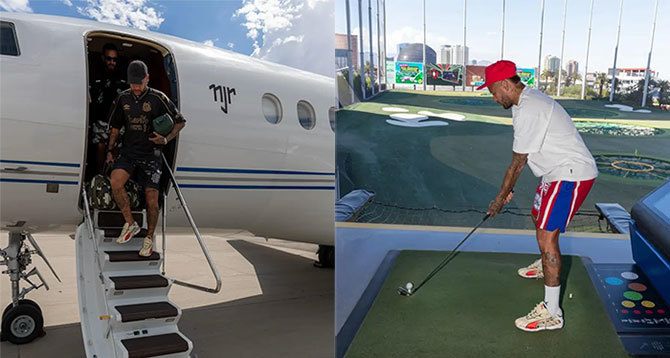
(137, 71)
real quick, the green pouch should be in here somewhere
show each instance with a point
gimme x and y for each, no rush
(163, 124)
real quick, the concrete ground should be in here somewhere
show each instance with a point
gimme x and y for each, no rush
(274, 303)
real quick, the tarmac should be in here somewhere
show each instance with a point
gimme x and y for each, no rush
(274, 302)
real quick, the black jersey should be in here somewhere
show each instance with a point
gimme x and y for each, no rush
(136, 114)
(103, 92)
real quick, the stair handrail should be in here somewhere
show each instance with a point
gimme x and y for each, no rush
(96, 248)
(89, 221)
(201, 242)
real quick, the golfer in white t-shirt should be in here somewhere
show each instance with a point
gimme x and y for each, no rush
(546, 139)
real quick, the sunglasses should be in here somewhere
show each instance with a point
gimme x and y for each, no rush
(111, 59)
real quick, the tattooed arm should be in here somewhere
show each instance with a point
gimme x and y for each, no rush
(511, 176)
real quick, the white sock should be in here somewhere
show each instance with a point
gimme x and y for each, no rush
(551, 297)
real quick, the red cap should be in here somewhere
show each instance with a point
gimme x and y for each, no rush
(498, 71)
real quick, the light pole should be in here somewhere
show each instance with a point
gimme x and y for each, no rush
(350, 67)
(502, 31)
(424, 46)
(651, 47)
(362, 55)
(372, 60)
(560, 65)
(465, 44)
(616, 51)
(588, 46)
(539, 57)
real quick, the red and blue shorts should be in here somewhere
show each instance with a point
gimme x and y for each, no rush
(557, 202)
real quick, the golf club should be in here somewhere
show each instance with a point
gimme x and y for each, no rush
(408, 289)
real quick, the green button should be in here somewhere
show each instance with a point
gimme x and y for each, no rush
(632, 295)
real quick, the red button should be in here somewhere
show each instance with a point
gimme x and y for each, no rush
(649, 312)
(661, 311)
(637, 312)
(624, 311)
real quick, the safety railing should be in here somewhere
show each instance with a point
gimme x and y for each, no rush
(89, 221)
(96, 248)
(201, 242)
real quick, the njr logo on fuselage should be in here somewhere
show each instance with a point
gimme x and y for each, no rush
(224, 95)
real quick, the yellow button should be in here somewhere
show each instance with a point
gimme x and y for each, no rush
(628, 304)
(648, 304)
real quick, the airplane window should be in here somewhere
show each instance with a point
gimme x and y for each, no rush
(306, 115)
(9, 46)
(271, 108)
(332, 113)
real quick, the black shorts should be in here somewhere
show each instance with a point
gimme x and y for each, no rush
(147, 171)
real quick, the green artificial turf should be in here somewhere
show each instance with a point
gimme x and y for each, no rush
(469, 308)
(434, 175)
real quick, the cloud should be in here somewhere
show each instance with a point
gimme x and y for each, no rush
(296, 33)
(67, 2)
(266, 16)
(15, 5)
(209, 43)
(131, 13)
(231, 45)
(414, 35)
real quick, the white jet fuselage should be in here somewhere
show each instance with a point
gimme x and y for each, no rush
(235, 168)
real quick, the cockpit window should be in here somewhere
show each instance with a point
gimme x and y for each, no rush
(9, 45)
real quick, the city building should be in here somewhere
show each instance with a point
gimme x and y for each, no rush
(445, 55)
(552, 64)
(629, 77)
(454, 55)
(341, 51)
(572, 67)
(413, 52)
(459, 54)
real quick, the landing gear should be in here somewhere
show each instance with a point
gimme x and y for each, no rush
(326, 255)
(22, 320)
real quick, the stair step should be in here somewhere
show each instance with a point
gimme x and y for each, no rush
(125, 256)
(114, 219)
(144, 311)
(136, 282)
(117, 232)
(153, 346)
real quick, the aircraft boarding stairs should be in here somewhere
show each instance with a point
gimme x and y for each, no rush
(124, 306)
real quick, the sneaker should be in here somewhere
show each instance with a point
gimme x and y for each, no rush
(540, 319)
(147, 247)
(127, 233)
(533, 270)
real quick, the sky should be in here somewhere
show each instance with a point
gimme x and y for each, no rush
(275, 30)
(444, 25)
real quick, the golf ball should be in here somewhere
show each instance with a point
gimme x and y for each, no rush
(409, 286)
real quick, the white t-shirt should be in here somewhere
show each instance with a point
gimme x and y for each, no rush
(544, 130)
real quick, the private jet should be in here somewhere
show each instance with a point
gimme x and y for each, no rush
(257, 154)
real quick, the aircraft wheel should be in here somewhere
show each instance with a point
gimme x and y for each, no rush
(24, 301)
(22, 324)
